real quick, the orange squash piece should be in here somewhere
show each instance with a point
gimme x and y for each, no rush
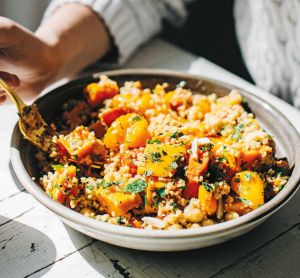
(130, 129)
(109, 116)
(98, 92)
(208, 202)
(160, 159)
(249, 186)
(80, 142)
(194, 170)
(117, 203)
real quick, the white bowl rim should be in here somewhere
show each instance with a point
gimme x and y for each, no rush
(77, 218)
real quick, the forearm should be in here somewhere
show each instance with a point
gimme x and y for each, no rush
(77, 36)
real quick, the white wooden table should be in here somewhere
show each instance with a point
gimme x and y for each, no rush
(34, 243)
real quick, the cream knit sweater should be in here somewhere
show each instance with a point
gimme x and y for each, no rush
(268, 32)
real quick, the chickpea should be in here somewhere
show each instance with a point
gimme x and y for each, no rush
(231, 215)
(194, 225)
(174, 227)
(207, 222)
(193, 214)
(87, 212)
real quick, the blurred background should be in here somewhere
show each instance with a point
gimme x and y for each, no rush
(26, 12)
(209, 30)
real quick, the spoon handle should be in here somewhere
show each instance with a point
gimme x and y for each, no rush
(17, 100)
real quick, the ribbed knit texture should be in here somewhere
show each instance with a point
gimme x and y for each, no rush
(130, 22)
(269, 36)
(268, 32)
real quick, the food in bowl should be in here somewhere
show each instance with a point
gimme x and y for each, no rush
(160, 158)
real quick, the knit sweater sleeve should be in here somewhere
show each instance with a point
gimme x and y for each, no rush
(130, 22)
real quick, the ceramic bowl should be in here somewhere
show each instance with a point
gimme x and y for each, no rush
(287, 143)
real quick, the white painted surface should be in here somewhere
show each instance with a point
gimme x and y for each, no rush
(33, 241)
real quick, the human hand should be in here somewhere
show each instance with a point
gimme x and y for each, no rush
(61, 47)
(24, 55)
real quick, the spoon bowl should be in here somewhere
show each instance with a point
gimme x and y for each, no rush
(31, 123)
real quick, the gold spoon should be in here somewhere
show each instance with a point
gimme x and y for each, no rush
(31, 123)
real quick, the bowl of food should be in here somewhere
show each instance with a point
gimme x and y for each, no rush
(160, 160)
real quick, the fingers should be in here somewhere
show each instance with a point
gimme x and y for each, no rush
(11, 79)
(2, 98)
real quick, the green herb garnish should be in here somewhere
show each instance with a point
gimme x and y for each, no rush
(120, 220)
(206, 147)
(161, 192)
(155, 157)
(89, 187)
(135, 186)
(136, 118)
(176, 135)
(153, 141)
(104, 184)
(237, 131)
(208, 187)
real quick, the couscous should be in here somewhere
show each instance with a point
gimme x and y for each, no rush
(160, 158)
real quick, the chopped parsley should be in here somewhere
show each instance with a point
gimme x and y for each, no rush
(155, 157)
(120, 220)
(135, 186)
(222, 159)
(153, 141)
(238, 129)
(208, 187)
(136, 118)
(104, 184)
(206, 147)
(161, 192)
(89, 187)
(176, 134)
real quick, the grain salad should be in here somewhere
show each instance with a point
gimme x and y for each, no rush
(160, 158)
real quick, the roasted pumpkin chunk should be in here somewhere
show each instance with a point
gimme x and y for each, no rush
(161, 160)
(249, 186)
(152, 196)
(208, 201)
(116, 202)
(98, 92)
(79, 143)
(64, 183)
(130, 129)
